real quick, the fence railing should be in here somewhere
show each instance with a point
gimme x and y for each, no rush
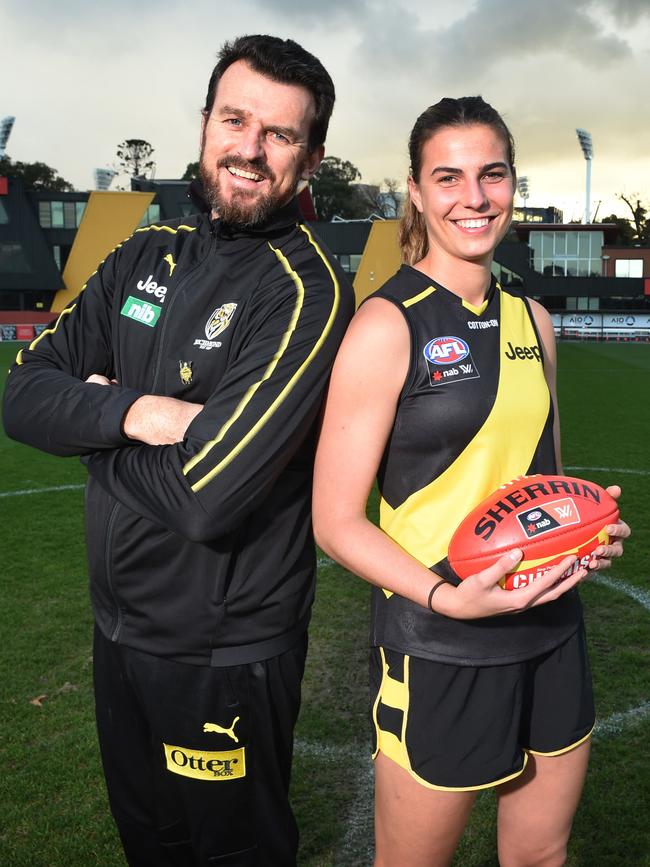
(624, 326)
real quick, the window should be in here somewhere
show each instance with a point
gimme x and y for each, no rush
(567, 254)
(57, 215)
(45, 215)
(572, 243)
(56, 252)
(151, 215)
(355, 261)
(69, 215)
(4, 216)
(60, 215)
(344, 261)
(13, 259)
(629, 268)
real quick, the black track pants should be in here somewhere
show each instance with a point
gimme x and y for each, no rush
(197, 759)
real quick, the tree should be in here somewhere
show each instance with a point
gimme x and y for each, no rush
(191, 172)
(639, 221)
(134, 155)
(35, 176)
(625, 232)
(332, 190)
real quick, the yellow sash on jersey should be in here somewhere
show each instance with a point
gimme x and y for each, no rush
(501, 450)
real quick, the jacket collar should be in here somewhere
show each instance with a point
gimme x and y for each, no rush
(280, 219)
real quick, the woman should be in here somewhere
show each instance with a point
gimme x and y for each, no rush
(464, 698)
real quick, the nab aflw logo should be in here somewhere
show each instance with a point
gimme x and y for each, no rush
(558, 513)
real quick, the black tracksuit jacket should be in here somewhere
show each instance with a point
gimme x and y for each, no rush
(201, 551)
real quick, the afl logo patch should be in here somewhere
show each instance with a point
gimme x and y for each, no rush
(219, 320)
(446, 350)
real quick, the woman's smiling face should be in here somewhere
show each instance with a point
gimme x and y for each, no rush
(465, 192)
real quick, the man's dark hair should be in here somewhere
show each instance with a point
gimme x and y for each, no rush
(285, 61)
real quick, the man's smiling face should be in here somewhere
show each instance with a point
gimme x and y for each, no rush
(254, 145)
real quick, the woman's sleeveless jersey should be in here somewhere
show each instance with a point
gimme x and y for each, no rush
(474, 413)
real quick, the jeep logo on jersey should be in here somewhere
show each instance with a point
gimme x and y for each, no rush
(141, 311)
(152, 288)
(219, 320)
(446, 350)
(523, 352)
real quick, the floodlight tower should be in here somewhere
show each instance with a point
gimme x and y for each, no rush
(6, 125)
(104, 178)
(522, 189)
(586, 144)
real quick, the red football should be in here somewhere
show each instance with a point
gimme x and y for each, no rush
(547, 517)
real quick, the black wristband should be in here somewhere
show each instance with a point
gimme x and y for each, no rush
(432, 591)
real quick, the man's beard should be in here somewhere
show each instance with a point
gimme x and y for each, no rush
(244, 209)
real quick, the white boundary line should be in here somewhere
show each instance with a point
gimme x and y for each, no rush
(640, 596)
(356, 844)
(41, 490)
(617, 722)
(357, 840)
(611, 470)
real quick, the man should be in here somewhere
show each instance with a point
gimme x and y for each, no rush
(189, 374)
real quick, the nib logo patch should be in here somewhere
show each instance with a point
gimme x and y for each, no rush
(141, 311)
(558, 513)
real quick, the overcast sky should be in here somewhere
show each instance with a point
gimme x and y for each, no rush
(80, 76)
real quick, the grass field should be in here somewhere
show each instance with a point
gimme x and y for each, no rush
(53, 807)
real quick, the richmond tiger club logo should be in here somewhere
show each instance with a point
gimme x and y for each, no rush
(449, 359)
(185, 372)
(217, 323)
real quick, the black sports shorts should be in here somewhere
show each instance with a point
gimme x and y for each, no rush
(465, 728)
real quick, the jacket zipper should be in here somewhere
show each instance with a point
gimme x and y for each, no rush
(107, 564)
(163, 331)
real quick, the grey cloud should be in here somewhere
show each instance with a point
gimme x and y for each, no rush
(627, 11)
(491, 32)
(311, 11)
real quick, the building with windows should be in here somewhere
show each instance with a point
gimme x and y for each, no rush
(579, 267)
(569, 267)
(38, 229)
(567, 250)
(626, 262)
(537, 215)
